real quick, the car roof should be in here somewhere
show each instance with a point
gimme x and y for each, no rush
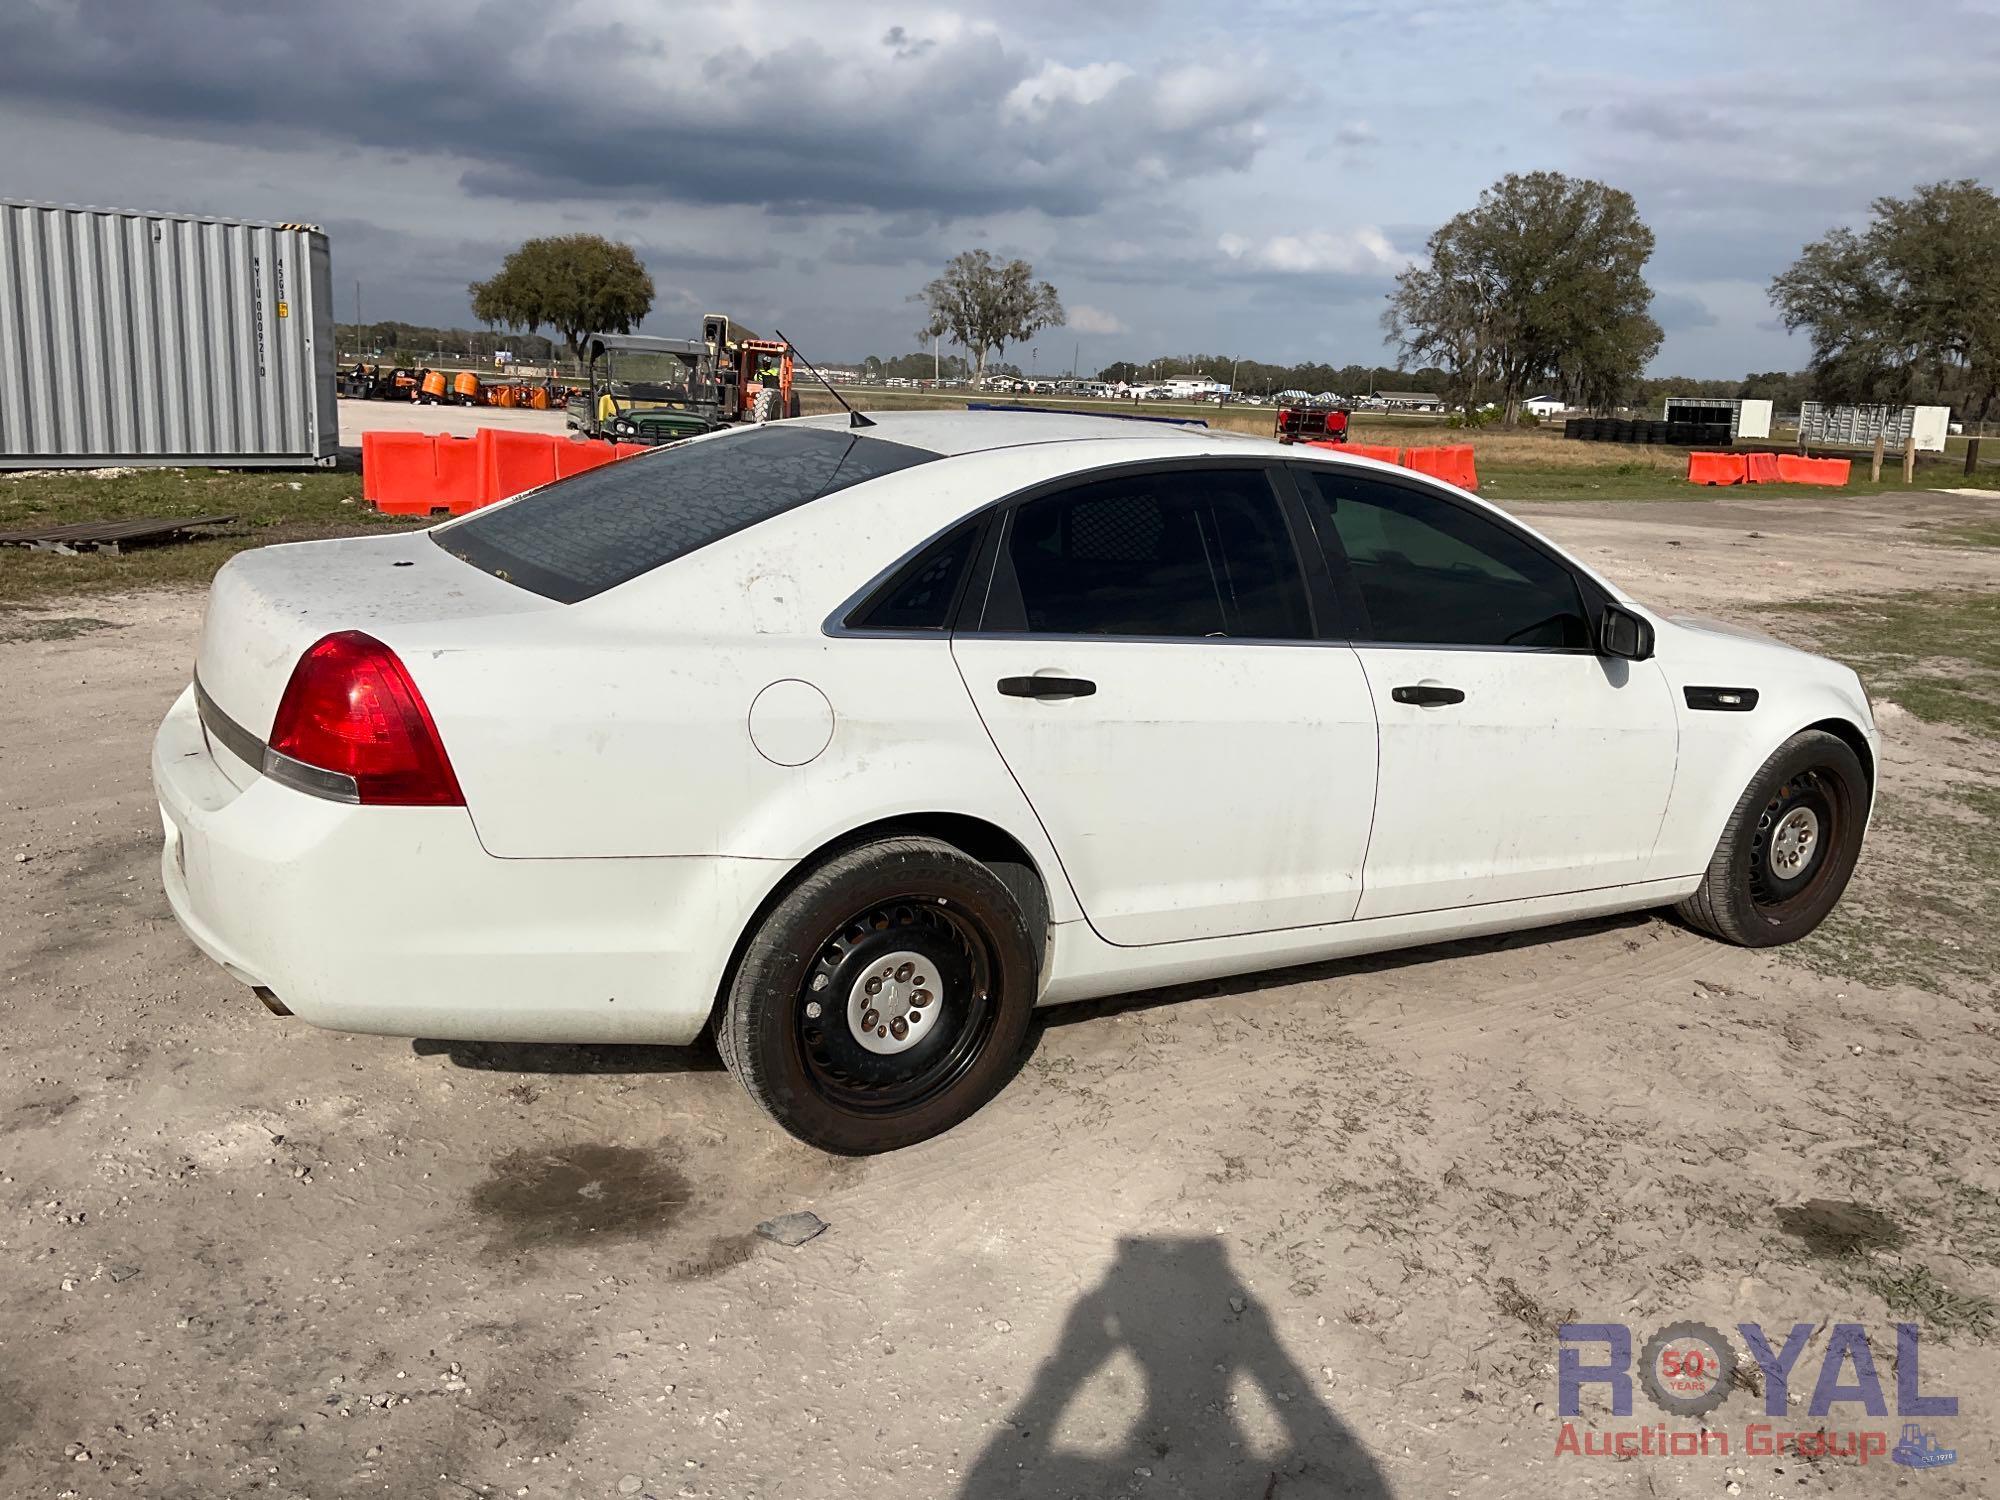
(952, 432)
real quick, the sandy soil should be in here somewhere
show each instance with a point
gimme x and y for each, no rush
(1299, 1234)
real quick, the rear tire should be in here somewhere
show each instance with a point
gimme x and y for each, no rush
(843, 1048)
(1789, 847)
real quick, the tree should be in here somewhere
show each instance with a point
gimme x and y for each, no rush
(1908, 306)
(577, 284)
(1542, 281)
(983, 306)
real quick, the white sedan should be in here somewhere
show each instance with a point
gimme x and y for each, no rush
(858, 743)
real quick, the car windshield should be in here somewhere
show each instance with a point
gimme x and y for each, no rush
(593, 531)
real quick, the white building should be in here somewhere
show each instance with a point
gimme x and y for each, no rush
(1545, 406)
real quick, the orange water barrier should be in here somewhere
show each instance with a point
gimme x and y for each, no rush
(425, 474)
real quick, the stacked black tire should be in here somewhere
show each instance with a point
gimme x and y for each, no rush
(1619, 430)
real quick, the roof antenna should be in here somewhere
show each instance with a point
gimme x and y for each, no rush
(854, 418)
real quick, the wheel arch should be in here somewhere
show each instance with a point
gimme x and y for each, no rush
(993, 846)
(1856, 740)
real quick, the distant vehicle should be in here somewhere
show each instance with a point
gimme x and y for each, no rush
(640, 388)
(716, 737)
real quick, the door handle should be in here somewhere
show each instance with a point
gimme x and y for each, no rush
(1428, 694)
(1047, 687)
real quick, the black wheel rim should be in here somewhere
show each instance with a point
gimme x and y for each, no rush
(837, 1065)
(1816, 798)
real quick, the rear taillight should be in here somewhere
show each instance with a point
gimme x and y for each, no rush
(351, 714)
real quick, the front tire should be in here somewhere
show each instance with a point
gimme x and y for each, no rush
(883, 999)
(1789, 846)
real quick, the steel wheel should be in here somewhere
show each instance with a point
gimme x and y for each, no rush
(884, 996)
(896, 1004)
(1789, 846)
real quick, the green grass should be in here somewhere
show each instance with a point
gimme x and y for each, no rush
(1932, 917)
(1935, 653)
(269, 506)
(1648, 481)
(1966, 536)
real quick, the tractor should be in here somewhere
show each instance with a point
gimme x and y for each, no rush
(640, 388)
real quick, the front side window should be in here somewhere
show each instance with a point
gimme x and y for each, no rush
(595, 530)
(1194, 553)
(1431, 572)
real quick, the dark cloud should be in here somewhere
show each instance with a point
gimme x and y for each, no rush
(569, 100)
(1677, 312)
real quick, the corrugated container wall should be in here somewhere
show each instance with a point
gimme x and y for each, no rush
(130, 338)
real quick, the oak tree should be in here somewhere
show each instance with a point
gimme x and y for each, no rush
(577, 284)
(984, 306)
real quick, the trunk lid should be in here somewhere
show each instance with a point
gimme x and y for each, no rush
(267, 606)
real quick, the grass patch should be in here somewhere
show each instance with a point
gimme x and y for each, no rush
(1914, 1292)
(1936, 653)
(1966, 536)
(1929, 915)
(269, 506)
(48, 628)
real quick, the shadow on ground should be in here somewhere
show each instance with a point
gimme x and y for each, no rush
(1196, 1334)
(562, 1057)
(1337, 968)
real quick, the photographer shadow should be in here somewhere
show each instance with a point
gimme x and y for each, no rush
(1175, 1306)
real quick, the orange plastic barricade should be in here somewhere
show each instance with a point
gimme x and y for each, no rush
(574, 458)
(456, 460)
(511, 462)
(627, 450)
(1453, 464)
(398, 476)
(1715, 468)
(1760, 468)
(1375, 451)
(1795, 470)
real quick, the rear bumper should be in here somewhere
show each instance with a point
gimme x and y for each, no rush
(395, 920)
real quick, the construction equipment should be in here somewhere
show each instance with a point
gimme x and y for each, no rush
(1312, 424)
(641, 388)
(376, 382)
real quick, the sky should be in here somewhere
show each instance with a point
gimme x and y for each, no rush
(1193, 177)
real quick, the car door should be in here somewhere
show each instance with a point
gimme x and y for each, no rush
(1145, 659)
(1515, 760)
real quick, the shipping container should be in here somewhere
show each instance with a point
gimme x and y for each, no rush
(141, 338)
(1858, 426)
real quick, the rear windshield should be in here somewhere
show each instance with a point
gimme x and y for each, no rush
(591, 532)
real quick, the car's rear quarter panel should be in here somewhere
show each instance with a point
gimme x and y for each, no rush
(619, 726)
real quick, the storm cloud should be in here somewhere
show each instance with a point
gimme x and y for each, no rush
(1249, 180)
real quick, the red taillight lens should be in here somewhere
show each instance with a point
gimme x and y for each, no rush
(351, 709)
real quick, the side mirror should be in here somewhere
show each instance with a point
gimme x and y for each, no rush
(1624, 634)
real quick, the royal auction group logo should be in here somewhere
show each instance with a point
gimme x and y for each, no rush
(1690, 1369)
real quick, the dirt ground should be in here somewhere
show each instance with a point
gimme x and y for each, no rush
(357, 417)
(1305, 1233)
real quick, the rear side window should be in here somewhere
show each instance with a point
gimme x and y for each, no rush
(921, 595)
(576, 538)
(1194, 553)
